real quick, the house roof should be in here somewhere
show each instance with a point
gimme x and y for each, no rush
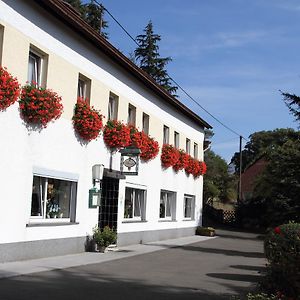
(70, 17)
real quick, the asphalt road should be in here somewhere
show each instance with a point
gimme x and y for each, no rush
(214, 269)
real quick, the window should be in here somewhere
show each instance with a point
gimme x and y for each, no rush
(84, 88)
(188, 146)
(53, 198)
(135, 204)
(176, 139)
(166, 133)
(196, 150)
(131, 114)
(37, 67)
(189, 207)
(1, 42)
(113, 107)
(146, 123)
(167, 208)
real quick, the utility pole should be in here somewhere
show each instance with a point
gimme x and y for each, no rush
(240, 179)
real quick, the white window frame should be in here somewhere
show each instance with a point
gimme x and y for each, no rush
(37, 67)
(169, 200)
(1, 42)
(84, 88)
(146, 123)
(131, 117)
(166, 135)
(176, 139)
(192, 207)
(113, 103)
(188, 146)
(52, 174)
(196, 151)
(142, 204)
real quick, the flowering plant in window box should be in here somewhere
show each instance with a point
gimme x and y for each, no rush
(87, 121)
(116, 134)
(169, 156)
(39, 106)
(148, 146)
(9, 89)
(182, 162)
(195, 167)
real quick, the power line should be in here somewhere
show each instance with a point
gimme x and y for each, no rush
(175, 82)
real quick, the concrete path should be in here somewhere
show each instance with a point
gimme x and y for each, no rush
(186, 268)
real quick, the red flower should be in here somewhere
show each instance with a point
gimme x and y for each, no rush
(169, 156)
(87, 121)
(116, 135)
(148, 146)
(39, 106)
(182, 162)
(195, 167)
(277, 230)
(9, 89)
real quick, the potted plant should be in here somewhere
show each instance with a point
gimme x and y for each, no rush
(116, 135)
(103, 238)
(206, 231)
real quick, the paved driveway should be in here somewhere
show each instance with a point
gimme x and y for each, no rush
(214, 269)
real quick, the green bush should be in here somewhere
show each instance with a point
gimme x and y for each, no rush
(282, 249)
(105, 237)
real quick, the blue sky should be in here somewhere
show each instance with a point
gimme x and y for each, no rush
(232, 56)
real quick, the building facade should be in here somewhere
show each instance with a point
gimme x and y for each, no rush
(47, 42)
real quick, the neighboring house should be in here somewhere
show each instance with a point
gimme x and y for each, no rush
(45, 40)
(250, 175)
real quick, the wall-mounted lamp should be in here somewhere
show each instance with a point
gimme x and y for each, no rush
(95, 192)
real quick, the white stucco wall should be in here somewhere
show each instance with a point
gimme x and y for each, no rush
(57, 148)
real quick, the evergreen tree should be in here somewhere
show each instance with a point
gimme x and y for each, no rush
(293, 103)
(147, 55)
(92, 13)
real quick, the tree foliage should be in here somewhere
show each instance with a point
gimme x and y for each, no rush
(218, 183)
(293, 103)
(148, 58)
(92, 13)
(261, 143)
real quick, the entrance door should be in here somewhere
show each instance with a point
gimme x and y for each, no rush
(108, 211)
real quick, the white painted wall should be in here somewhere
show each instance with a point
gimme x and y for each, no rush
(57, 148)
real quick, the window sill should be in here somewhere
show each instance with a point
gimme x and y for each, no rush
(188, 220)
(46, 224)
(162, 220)
(134, 221)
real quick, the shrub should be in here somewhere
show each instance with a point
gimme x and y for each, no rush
(39, 106)
(9, 89)
(87, 121)
(104, 237)
(282, 249)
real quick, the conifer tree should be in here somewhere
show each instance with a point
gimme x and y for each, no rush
(293, 103)
(149, 60)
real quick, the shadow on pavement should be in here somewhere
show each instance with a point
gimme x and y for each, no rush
(76, 285)
(236, 277)
(249, 268)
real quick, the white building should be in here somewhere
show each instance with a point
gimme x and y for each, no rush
(47, 40)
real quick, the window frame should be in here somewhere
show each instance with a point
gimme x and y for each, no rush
(55, 175)
(146, 123)
(131, 116)
(85, 84)
(166, 134)
(112, 114)
(192, 207)
(1, 42)
(196, 151)
(176, 139)
(188, 146)
(165, 196)
(142, 204)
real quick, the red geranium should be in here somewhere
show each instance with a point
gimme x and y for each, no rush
(277, 230)
(9, 89)
(195, 167)
(148, 146)
(39, 105)
(169, 156)
(116, 134)
(182, 162)
(87, 121)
